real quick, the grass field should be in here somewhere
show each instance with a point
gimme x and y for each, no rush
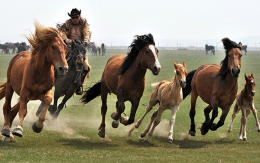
(73, 137)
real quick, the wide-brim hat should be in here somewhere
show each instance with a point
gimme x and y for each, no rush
(74, 12)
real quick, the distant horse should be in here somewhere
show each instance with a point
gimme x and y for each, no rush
(245, 103)
(216, 85)
(210, 48)
(244, 47)
(67, 85)
(125, 77)
(22, 47)
(169, 96)
(103, 48)
(31, 76)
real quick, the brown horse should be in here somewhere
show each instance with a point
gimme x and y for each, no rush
(31, 76)
(169, 96)
(245, 103)
(216, 85)
(125, 77)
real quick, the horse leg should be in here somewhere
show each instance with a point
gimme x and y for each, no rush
(6, 110)
(61, 105)
(236, 110)
(172, 122)
(254, 111)
(156, 121)
(242, 132)
(53, 108)
(194, 96)
(214, 127)
(39, 110)
(120, 108)
(38, 124)
(104, 92)
(147, 129)
(207, 110)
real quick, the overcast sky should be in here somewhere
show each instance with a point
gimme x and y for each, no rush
(171, 22)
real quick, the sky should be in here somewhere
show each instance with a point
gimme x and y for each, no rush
(116, 22)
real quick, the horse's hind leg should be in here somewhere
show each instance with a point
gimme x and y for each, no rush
(61, 105)
(146, 130)
(172, 122)
(207, 110)
(104, 92)
(194, 96)
(236, 110)
(242, 133)
(254, 111)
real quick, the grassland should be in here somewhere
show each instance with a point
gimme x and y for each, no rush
(73, 137)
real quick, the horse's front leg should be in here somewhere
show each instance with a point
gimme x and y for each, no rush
(209, 124)
(61, 105)
(214, 127)
(131, 119)
(38, 124)
(120, 108)
(207, 110)
(172, 122)
(102, 131)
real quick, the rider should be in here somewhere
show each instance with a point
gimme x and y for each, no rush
(77, 28)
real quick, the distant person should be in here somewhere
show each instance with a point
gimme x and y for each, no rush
(77, 28)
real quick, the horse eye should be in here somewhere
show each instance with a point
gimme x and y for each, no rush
(146, 52)
(52, 47)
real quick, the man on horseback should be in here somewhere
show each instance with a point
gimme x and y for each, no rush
(77, 28)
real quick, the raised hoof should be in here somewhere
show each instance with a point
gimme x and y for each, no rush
(36, 129)
(101, 134)
(18, 132)
(124, 120)
(245, 139)
(115, 124)
(113, 115)
(192, 133)
(213, 127)
(203, 131)
(6, 132)
(142, 135)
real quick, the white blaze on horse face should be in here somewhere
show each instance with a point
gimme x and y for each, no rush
(252, 81)
(59, 42)
(157, 63)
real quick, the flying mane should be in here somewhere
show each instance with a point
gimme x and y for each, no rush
(228, 44)
(138, 43)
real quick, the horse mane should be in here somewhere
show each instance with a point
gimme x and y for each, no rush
(138, 43)
(42, 37)
(228, 45)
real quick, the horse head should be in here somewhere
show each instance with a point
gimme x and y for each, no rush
(181, 73)
(78, 53)
(250, 84)
(150, 58)
(232, 60)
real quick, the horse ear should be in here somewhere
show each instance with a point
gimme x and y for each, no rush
(175, 65)
(252, 76)
(245, 76)
(184, 64)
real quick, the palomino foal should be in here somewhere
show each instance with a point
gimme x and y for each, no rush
(245, 103)
(169, 96)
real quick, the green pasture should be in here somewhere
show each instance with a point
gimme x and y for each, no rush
(73, 137)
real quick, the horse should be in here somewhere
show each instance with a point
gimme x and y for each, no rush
(103, 48)
(210, 48)
(244, 47)
(245, 103)
(169, 96)
(22, 47)
(31, 76)
(67, 85)
(216, 85)
(124, 76)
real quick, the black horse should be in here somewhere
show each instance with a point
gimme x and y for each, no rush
(210, 48)
(244, 47)
(67, 85)
(103, 48)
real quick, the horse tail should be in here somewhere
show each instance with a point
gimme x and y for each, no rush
(91, 93)
(2, 90)
(187, 90)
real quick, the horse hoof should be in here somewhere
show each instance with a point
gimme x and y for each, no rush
(101, 134)
(258, 130)
(18, 132)
(170, 140)
(35, 128)
(124, 120)
(213, 127)
(245, 139)
(113, 115)
(192, 133)
(142, 135)
(115, 124)
(8, 139)
(6, 132)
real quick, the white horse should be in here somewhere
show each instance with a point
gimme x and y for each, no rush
(169, 96)
(245, 103)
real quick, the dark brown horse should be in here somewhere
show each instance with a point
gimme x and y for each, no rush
(125, 77)
(245, 103)
(31, 76)
(216, 85)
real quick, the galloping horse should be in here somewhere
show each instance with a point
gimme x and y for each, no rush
(210, 48)
(31, 76)
(216, 85)
(125, 77)
(245, 103)
(67, 85)
(169, 96)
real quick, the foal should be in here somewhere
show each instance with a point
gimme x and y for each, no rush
(169, 96)
(244, 102)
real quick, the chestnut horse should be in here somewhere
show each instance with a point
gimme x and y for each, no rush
(245, 103)
(169, 96)
(125, 77)
(31, 76)
(216, 85)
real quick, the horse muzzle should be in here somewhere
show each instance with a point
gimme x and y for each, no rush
(183, 83)
(156, 70)
(235, 72)
(252, 93)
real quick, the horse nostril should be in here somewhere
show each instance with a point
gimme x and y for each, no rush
(155, 68)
